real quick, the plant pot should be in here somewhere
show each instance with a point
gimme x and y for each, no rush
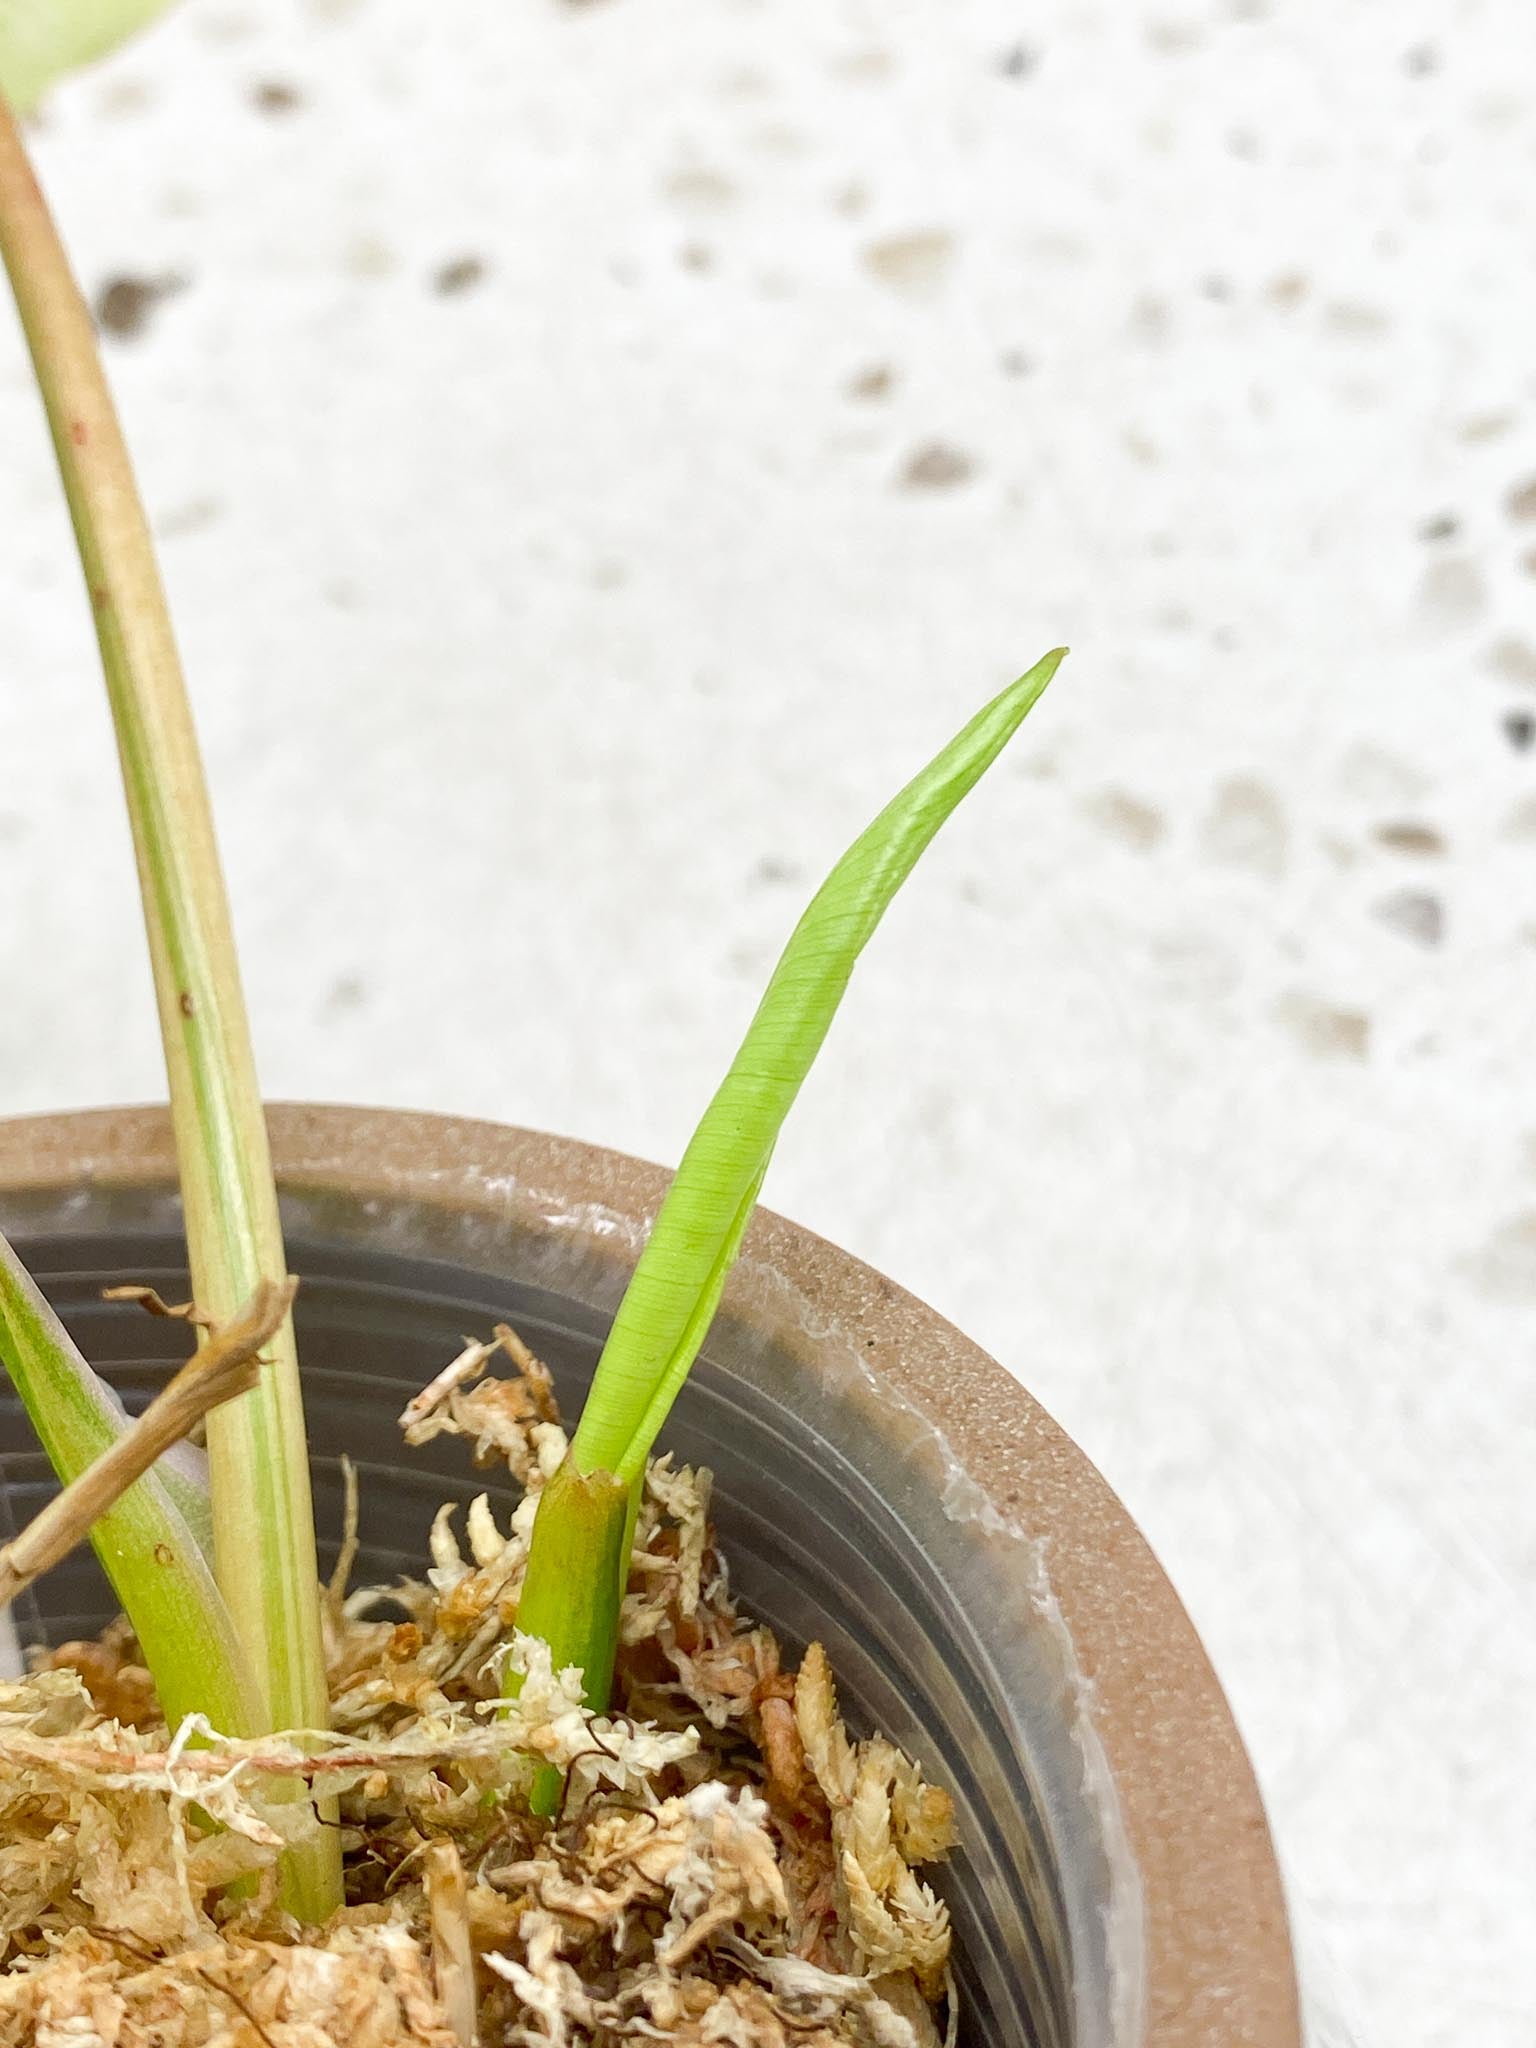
(881, 1485)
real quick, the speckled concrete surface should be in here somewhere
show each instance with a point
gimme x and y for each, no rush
(600, 449)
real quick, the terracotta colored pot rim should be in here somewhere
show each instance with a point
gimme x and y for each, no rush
(1214, 1942)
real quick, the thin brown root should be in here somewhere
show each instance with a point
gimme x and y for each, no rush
(153, 1303)
(151, 1961)
(346, 1557)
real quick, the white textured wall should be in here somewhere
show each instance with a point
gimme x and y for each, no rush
(812, 367)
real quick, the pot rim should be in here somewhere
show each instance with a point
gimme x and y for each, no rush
(1218, 1957)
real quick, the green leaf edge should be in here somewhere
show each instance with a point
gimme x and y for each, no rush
(42, 40)
(147, 1545)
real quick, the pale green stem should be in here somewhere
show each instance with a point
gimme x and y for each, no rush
(263, 1526)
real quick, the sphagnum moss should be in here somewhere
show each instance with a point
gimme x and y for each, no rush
(725, 1864)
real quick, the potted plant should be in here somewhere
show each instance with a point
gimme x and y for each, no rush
(446, 1825)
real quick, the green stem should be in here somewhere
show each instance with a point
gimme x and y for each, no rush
(574, 1587)
(264, 1544)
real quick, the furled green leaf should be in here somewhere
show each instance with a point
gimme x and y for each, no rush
(667, 1308)
(575, 1577)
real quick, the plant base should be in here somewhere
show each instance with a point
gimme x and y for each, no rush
(725, 1865)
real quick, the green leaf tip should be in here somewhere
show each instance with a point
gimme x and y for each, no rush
(672, 1297)
(40, 40)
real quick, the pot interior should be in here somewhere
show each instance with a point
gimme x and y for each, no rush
(839, 1516)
